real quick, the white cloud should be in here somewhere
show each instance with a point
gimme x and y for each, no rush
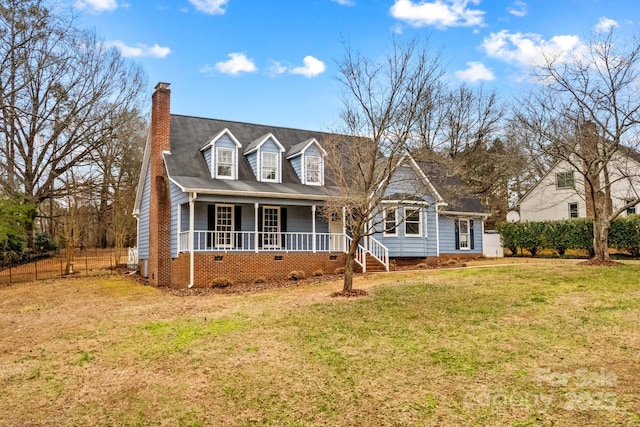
(519, 8)
(97, 6)
(237, 63)
(276, 68)
(345, 2)
(605, 25)
(312, 67)
(526, 49)
(439, 13)
(140, 50)
(475, 73)
(210, 7)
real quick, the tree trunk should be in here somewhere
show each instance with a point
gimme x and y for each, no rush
(348, 267)
(600, 238)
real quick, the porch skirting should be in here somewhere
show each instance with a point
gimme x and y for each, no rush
(248, 267)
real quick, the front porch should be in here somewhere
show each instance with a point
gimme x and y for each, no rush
(231, 238)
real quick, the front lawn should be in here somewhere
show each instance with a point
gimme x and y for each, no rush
(550, 343)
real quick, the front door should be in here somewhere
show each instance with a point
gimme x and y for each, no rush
(336, 238)
(224, 226)
(271, 227)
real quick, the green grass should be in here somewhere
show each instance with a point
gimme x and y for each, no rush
(514, 345)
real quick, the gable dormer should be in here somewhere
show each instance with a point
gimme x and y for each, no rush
(307, 159)
(221, 155)
(265, 157)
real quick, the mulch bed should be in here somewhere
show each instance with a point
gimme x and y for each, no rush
(350, 294)
(238, 288)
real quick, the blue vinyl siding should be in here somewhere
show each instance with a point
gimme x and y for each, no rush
(448, 236)
(296, 163)
(253, 161)
(178, 197)
(208, 159)
(403, 246)
(407, 181)
(143, 219)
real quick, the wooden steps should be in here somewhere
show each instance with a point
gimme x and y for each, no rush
(373, 265)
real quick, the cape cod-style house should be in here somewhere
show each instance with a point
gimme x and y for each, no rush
(222, 199)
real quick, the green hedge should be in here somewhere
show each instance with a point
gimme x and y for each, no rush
(559, 236)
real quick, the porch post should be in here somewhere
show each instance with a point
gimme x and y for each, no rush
(344, 230)
(313, 228)
(192, 204)
(255, 228)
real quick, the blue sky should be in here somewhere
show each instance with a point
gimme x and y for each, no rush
(274, 61)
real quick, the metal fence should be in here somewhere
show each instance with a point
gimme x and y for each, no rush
(39, 268)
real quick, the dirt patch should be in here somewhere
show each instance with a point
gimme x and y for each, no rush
(601, 263)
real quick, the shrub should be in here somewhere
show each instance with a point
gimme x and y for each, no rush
(508, 235)
(318, 273)
(421, 265)
(296, 275)
(339, 270)
(260, 279)
(624, 234)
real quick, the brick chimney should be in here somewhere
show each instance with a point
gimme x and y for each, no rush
(589, 139)
(159, 202)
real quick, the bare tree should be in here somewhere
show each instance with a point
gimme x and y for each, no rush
(585, 112)
(382, 103)
(58, 88)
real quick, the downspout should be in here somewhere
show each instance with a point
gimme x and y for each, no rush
(192, 203)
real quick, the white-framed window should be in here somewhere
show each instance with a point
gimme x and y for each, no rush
(631, 209)
(390, 221)
(313, 170)
(463, 234)
(564, 180)
(573, 210)
(224, 226)
(270, 170)
(270, 227)
(224, 162)
(412, 222)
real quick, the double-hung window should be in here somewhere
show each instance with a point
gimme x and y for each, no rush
(412, 222)
(573, 210)
(390, 222)
(270, 166)
(224, 226)
(564, 180)
(313, 169)
(224, 163)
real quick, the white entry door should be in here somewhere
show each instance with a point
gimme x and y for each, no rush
(271, 227)
(336, 238)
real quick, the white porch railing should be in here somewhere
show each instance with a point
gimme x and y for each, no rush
(379, 252)
(239, 241)
(245, 241)
(361, 253)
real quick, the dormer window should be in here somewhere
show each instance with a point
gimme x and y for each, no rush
(221, 155)
(313, 170)
(224, 162)
(270, 166)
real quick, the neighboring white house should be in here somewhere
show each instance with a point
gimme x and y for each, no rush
(560, 193)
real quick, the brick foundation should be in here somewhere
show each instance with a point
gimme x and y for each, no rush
(247, 267)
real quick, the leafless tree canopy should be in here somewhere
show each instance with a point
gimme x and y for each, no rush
(60, 90)
(586, 111)
(382, 104)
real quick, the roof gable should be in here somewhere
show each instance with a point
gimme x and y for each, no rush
(255, 145)
(220, 134)
(300, 148)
